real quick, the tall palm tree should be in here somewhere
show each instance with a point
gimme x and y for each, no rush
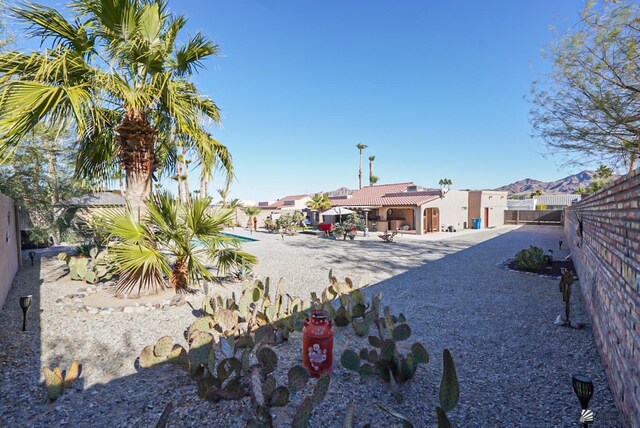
(117, 74)
(173, 240)
(360, 147)
(319, 202)
(224, 192)
(371, 159)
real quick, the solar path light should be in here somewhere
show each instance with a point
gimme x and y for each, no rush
(583, 387)
(25, 304)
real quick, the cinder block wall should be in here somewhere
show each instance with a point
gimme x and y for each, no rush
(607, 258)
(9, 246)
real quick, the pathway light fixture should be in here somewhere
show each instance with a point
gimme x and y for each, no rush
(25, 304)
(583, 387)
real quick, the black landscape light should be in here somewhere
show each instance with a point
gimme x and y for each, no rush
(560, 244)
(32, 255)
(25, 304)
(583, 387)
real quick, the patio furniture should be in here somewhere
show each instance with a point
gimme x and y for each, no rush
(388, 237)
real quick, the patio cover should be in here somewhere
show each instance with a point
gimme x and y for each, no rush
(337, 211)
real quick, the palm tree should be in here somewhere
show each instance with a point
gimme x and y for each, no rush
(224, 192)
(115, 73)
(233, 205)
(319, 202)
(371, 176)
(173, 240)
(445, 182)
(360, 147)
(373, 179)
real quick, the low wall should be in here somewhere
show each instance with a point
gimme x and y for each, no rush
(603, 231)
(10, 255)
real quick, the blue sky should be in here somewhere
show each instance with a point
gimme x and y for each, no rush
(434, 88)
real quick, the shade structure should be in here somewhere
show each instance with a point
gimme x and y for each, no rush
(337, 211)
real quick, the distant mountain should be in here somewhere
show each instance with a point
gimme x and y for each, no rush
(343, 191)
(565, 185)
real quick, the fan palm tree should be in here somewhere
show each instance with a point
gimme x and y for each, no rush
(117, 74)
(360, 147)
(371, 176)
(319, 202)
(175, 240)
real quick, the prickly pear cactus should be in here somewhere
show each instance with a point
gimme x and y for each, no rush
(449, 390)
(56, 381)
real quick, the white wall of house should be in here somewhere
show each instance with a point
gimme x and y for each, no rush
(453, 207)
(10, 255)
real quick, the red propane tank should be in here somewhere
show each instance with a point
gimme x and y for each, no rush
(317, 344)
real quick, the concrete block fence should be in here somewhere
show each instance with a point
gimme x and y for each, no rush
(603, 231)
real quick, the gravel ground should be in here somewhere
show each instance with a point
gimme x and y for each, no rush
(513, 364)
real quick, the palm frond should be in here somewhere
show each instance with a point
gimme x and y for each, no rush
(188, 58)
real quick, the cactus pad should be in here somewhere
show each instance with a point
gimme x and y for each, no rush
(54, 383)
(350, 360)
(279, 397)
(420, 355)
(297, 377)
(401, 332)
(267, 359)
(449, 389)
(163, 347)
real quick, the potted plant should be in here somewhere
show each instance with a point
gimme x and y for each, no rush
(352, 233)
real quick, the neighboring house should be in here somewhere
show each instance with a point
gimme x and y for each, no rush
(415, 209)
(293, 202)
(521, 204)
(557, 202)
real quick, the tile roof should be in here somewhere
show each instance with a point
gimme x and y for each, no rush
(387, 195)
(281, 202)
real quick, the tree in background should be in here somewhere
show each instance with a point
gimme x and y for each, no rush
(233, 205)
(319, 202)
(372, 178)
(601, 178)
(588, 107)
(131, 113)
(39, 176)
(538, 192)
(224, 193)
(360, 147)
(445, 182)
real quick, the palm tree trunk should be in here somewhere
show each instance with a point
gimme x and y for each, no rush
(50, 149)
(179, 278)
(138, 189)
(137, 156)
(360, 171)
(370, 173)
(187, 192)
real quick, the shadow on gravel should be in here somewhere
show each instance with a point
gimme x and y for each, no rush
(513, 364)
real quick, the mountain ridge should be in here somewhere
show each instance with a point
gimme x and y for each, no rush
(568, 184)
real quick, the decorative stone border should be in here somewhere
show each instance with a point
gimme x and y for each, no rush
(75, 302)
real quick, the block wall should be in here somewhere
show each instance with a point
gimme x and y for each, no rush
(603, 231)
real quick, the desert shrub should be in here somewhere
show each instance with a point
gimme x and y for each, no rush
(532, 258)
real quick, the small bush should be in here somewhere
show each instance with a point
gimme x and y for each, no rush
(532, 258)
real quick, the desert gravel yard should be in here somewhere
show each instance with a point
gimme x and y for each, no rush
(514, 365)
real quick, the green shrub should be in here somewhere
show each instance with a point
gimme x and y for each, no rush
(532, 258)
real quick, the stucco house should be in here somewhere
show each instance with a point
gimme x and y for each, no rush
(292, 202)
(415, 209)
(487, 205)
